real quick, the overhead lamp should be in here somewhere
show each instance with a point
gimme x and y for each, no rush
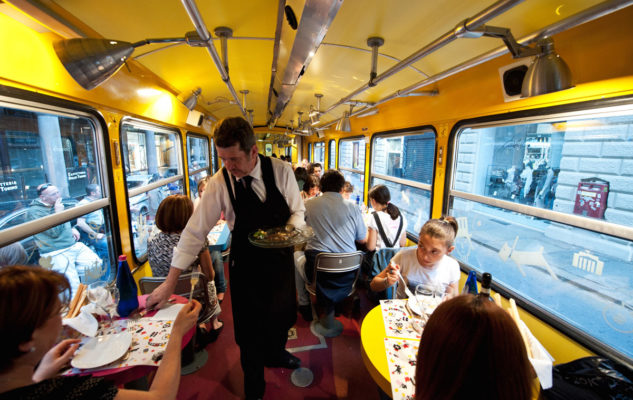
(192, 100)
(91, 61)
(547, 73)
(315, 115)
(345, 125)
(374, 42)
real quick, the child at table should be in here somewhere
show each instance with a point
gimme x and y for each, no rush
(429, 263)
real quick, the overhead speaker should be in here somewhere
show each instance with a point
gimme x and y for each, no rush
(195, 118)
(512, 78)
(320, 134)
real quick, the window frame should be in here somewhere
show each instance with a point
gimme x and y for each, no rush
(611, 106)
(41, 103)
(314, 148)
(209, 169)
(129, 193)
(355, 171)
(402, 181)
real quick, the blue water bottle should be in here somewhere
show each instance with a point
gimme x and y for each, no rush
(128, 299)
(358, 200)
(471, 284)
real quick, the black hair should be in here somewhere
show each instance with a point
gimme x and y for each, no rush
(234, 130)
(381, 195)
(332, 181)
(93, 187)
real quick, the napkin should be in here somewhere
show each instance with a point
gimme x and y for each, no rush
(542, 361)
(168, 312)
(84, 323)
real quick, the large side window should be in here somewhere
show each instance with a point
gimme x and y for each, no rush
(319, 153)
(153, 171)
(310, 155)
(545, 206)
(351, 162)
(404, 163)
(199, 161)
(54, 202)
(332, 154)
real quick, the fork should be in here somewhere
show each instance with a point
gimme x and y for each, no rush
(194, 281)
(407, 291)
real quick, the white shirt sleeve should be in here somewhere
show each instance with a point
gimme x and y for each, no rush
(287, 185)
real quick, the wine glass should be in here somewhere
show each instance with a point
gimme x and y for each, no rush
(98, 294)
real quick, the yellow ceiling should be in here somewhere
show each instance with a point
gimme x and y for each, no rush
(406, 26)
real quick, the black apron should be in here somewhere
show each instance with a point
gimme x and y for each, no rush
(262, 280)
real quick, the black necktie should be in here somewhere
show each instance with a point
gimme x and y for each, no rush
(243, 187)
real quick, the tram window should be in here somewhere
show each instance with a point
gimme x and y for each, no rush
(319, 153)
(49, 166)
(404, 163)
(310, 155)
(199, 162)
(351, 162)
(332, 154)
(545, 207)
(153, 166)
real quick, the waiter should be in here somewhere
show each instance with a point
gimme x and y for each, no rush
(254, 192)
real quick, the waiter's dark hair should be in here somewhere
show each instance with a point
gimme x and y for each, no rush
(232, 130)
(332, 181)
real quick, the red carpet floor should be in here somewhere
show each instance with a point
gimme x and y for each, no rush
(339, 372)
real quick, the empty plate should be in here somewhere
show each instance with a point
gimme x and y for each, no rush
(102, 350)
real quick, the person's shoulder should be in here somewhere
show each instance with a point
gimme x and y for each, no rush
(450, 261)
(278, 164)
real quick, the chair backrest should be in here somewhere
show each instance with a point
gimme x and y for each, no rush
(183, 287)
(335, 275)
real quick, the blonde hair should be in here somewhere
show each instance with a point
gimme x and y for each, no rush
(444, 228)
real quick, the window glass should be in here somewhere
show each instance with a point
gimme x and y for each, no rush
(573, 261)
(404, 163)
(199, 162)
(310, 155)
(332, 155)
(319, 153)
(352, 164)
(153, 165)
(49, 165)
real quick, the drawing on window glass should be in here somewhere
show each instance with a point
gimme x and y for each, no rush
(588, 262)
(355, 155)
(618, 319)
(533, 257)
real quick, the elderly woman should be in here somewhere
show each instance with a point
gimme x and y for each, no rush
(472, 349)
(30, 360)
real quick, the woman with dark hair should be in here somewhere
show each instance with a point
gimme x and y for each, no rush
(301, 175)
(471, 348)
(387, 227)
(310, 187)
(31, 322)
(171, 218)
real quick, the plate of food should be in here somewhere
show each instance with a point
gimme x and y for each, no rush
(102, 350)
(280, 237)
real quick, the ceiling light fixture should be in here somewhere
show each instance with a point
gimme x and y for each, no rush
(547, 73)
(91, 61)
(315, 115)
(192, 100)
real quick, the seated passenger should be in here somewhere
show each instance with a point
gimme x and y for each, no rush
(31, 324)
(315, 169)
(171, 218)
(348, 189)
(429, 263)
(13, 254)
(337, 225)
(92, 229)
(301, 175)
(472, 349)
(59, 248)
(387, 227)
(310, 188)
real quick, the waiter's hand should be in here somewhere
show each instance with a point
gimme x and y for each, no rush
(161, 294)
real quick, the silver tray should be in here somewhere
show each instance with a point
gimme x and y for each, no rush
(277, 238)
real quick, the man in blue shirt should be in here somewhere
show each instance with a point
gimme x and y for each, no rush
(337, 225)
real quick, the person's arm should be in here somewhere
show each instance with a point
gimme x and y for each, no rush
(83, 225)
(163, 292)
(385, 279)
(361, 228)
(55, 359)
(371, 240)
(287, 185)
(165, 383)
(207, 264)
(403, 238)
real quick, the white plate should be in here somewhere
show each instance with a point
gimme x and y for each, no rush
(102, 350)
(429, 304)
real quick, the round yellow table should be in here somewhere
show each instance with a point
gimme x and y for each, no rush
(372, 346)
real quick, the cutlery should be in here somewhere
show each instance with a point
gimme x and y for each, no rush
(194, 281)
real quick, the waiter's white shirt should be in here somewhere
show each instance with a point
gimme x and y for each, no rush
(216, 200)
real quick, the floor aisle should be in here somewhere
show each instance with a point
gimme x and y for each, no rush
(339, 372)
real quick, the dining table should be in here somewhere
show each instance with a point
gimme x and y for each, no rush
(144, 330)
